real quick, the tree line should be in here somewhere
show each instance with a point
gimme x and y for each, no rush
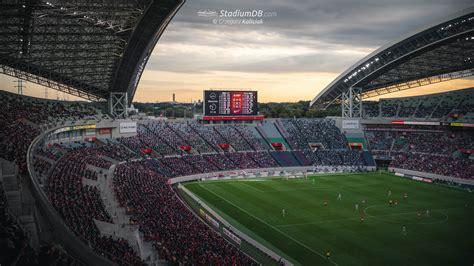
(299, 109)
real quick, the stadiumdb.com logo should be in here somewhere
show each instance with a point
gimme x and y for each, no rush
(207, 13)
(237, 16)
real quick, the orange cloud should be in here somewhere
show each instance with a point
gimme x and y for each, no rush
(433, 88)
(272, 87)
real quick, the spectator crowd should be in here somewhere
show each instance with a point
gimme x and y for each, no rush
(436, 164)
(322, 142)
(22, 117)
(177, 235)
(448, 106)
(79, 204)
(15, 243)
(435, 150)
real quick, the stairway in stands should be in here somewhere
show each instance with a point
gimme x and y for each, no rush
(270, 131)
(20, 200)
(285, 158)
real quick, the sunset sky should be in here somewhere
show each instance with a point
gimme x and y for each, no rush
(291, 56)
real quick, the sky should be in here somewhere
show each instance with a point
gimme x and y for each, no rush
(291, 54)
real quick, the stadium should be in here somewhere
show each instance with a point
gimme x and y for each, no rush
(386, 182)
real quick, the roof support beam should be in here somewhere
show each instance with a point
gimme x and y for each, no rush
(436, 53)
(79, 46)
(418, 83)
(351, 103)
(13, 72)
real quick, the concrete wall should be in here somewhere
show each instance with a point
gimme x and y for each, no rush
(63, 133)
(266, 172)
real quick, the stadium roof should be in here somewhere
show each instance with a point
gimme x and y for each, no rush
(436, 53)
(87, 48)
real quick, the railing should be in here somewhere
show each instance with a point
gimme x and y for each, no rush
(258, 172)
(84, 253)
(263, 172)
(432, 176)
(58, 228)
(236, 231)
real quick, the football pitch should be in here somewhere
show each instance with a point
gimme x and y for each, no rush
(361, 228)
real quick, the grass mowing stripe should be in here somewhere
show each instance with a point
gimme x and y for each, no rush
(337, 228)
(252, 187)
(368, 216)
(276, 229)
(222, 208)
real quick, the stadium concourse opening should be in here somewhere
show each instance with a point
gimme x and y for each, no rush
(88, 183)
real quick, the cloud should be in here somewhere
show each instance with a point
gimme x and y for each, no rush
(302, 31)
(300, 50)
(307, 37)
(366, 23)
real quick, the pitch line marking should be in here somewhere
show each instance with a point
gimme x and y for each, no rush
(318, 222)
(254, 188)
(321, 188)
(389, 221)
(271, 226)
(371, 216)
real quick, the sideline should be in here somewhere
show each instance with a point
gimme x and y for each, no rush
(271, 226)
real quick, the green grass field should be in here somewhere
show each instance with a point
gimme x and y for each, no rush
(309, 229)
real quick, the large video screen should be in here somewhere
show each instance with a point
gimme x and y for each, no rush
(230, 103)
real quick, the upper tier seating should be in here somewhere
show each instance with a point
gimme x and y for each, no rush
(449, 106)
(437, 151)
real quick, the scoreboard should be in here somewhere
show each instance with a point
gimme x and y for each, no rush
(230, 103)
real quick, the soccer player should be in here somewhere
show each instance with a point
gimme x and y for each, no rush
(328, 255)
(427, 213)
(283, 212)
(357, 207)
(389, 193)
(362, 218)
(404, 230)
(419, 215)
(363, 201)
(405, 196)
(396, 202)
(325, 203)
(390, 202)
(339, 197)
